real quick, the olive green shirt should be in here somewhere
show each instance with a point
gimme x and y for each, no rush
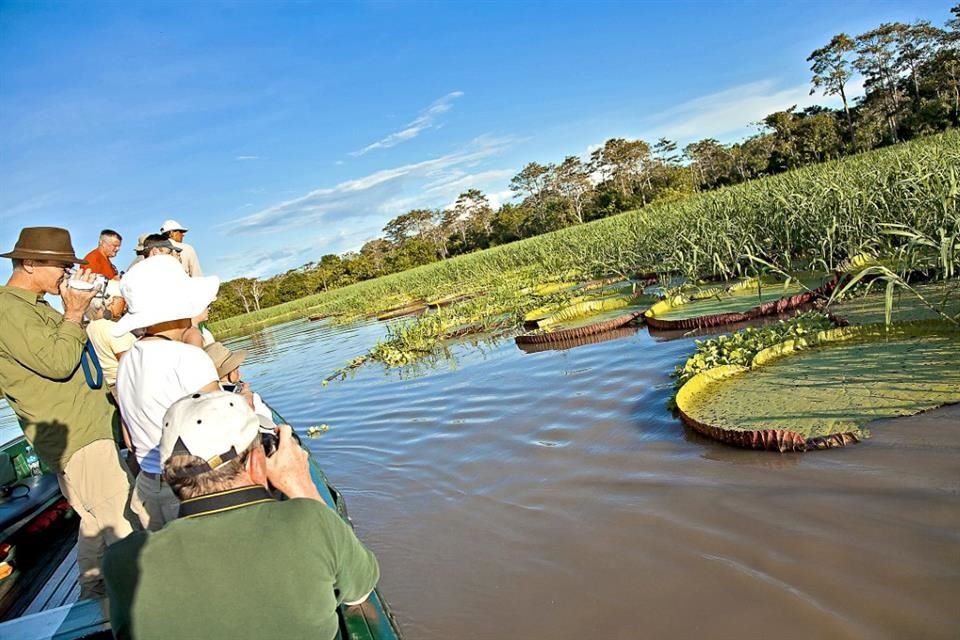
(238, 564)
(40, 377)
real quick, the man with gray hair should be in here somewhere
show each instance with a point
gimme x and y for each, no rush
(98, 260)
(238, 562)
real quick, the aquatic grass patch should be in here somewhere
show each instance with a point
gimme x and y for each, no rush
(740, 347)
(819, 391)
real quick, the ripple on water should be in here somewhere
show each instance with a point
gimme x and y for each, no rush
(504, 482)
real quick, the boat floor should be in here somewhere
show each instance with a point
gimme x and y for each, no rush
(62, 587)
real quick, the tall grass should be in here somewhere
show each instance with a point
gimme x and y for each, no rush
(809, 219)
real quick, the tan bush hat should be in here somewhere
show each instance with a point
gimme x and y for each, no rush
(44, 243)
(223, 359)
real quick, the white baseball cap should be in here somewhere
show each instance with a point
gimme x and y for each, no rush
(216, 426)
(172, 225)
(158, 290)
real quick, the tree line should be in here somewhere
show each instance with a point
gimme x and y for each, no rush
(911, 81)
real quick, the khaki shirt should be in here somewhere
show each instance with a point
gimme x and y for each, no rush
(108, 347)
(189, 259)
(41, 378)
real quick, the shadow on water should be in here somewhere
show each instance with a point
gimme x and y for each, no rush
(558, 483)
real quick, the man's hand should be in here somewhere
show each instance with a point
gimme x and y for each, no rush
(76, 301)
(289, 469)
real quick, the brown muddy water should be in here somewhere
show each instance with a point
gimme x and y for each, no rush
(552, 495)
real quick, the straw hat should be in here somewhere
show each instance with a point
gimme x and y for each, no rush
(223, 359)
(44, 243)
(158, 290)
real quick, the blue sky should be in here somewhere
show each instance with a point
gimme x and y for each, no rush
(281, 132)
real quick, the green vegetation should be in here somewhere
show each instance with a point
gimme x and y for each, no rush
(821, 390)
(812, 219)
(739, 348)
(911, 75)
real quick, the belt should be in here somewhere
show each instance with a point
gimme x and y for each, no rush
(152, 476)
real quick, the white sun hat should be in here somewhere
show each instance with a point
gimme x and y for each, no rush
(172, 225)
(158, 290)
(216, 426)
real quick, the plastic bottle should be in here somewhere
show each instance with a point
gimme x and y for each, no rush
(33, 462)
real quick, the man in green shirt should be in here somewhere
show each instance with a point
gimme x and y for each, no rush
(237, 563)
(70, 425)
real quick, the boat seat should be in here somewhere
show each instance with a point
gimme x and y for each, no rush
(16, 506)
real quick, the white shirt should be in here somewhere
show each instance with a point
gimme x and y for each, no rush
(107, 347)
(153, 375)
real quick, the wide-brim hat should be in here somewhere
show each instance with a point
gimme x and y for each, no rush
(172, 225)
(158, 290)
(44, 243)
(223, 359)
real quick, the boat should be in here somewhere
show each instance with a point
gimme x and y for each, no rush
(40, 596)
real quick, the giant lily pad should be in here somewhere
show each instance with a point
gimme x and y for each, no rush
(743, 301)
(596, 290)
(587, 317)
(871, 308)
(820, 391)
(572, 343)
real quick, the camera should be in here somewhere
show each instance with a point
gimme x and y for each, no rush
(99, 283)
(270, 441)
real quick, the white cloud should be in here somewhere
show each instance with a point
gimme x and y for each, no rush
(245, 158)
(412, 129)
(257, 264)
(422, 182)
(735, 109)
(499, 198)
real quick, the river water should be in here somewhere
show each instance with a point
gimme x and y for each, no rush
(552, 495)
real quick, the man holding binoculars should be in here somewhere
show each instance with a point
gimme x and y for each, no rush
(238, 562)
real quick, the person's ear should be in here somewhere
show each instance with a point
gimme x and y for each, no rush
(257, 466)
(28, 266)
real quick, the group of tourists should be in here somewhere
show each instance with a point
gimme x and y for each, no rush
(198, 531)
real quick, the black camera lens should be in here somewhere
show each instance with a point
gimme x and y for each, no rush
(270, 442)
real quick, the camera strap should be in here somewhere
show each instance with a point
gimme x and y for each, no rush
(88, 357)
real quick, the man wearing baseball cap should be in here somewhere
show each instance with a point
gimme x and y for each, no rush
(188, 255)
(238, 562)
(70, 425)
